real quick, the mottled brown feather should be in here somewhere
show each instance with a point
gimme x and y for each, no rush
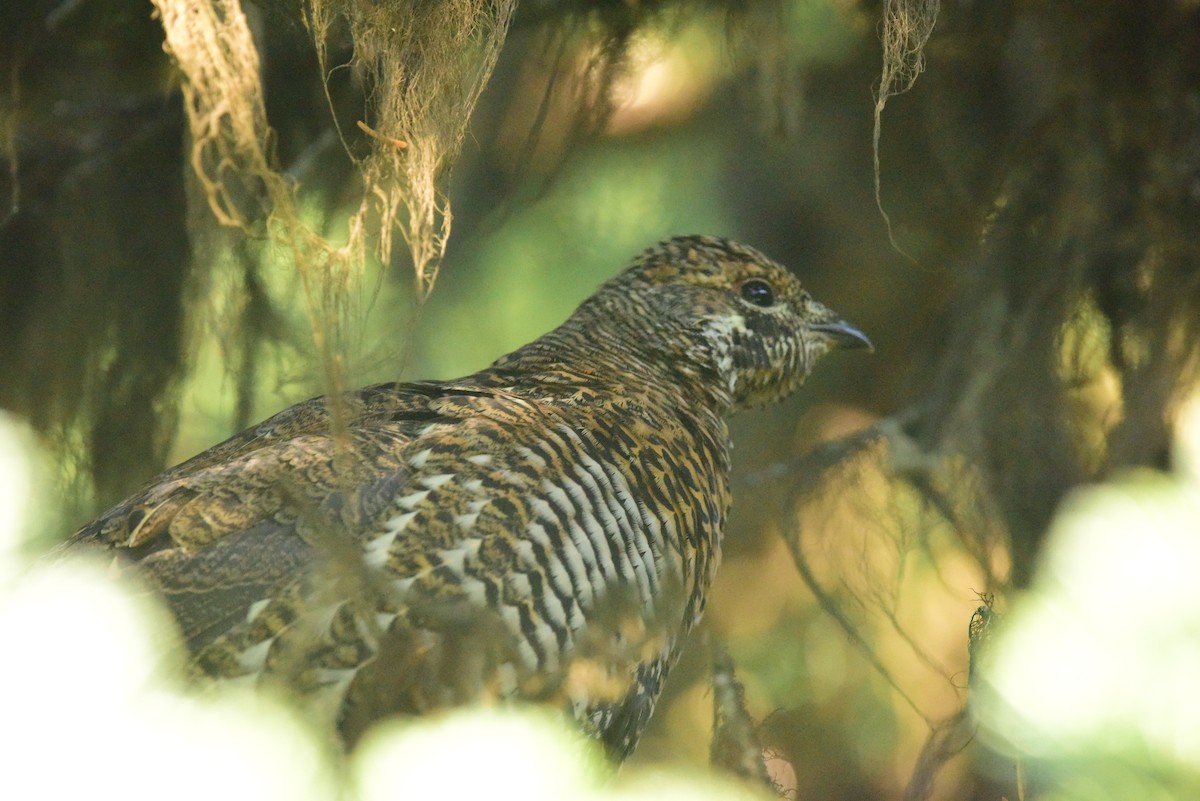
(545, 529)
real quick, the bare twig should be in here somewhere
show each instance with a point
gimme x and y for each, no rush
(735, 745)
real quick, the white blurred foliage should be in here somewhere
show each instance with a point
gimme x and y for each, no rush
(474, 754)
(91, 700)
(508, 754)
(17, 496)
(1102, 655)
(93, 705)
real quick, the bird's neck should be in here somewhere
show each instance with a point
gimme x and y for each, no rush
(612, 363)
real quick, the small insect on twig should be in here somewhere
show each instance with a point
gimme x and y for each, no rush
(399, 144)
(979, 632)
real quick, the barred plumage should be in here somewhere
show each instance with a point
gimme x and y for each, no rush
(545, 529)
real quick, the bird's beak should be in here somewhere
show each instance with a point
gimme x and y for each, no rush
(842, 334)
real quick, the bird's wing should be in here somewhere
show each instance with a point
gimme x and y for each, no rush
(254, 474)
(288, 553)
(313, 416)
(250, 516)
(218, 539)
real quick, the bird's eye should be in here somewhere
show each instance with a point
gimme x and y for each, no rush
(758, 292)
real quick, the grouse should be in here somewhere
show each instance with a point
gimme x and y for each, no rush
(545, 529)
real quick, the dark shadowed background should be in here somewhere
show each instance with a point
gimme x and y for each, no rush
(1035, 302)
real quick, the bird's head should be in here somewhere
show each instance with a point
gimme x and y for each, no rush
(725, 315)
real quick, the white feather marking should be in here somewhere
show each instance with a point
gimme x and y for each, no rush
(520, 584)
(642, 557)
(400, 522)
(322, 617)
(608, 519)
(528, 656)
(467, 521)
(512, 618)
(719, 333)
(584, 539)
(255, 609)
(561, 572)
(255, 657)
(480, 458)
(417, 460)
(554, 610)
(542, 510)
(456, 558)
(525, 555)
(433, 482)
(475, 590)
(506, 678)
(411, 500)
(375, 552)
(531, 457)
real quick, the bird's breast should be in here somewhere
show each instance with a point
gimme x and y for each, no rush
(567, 527)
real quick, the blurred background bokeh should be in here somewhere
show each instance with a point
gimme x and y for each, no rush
(1027, 270)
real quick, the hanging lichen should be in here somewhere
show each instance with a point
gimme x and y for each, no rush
(907, 26)
(424, 65)
(232, 161)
